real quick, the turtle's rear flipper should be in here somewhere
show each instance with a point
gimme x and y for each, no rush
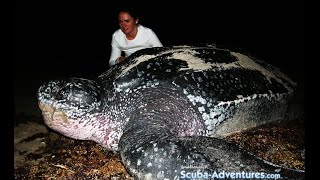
(229, 157)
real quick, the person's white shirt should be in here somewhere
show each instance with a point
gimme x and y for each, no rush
(145, 38)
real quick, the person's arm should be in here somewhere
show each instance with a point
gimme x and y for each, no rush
(154, 40)
(115, 52)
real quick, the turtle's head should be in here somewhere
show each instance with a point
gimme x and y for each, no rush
(69, 106)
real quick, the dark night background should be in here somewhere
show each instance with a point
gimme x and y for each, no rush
(54, 39)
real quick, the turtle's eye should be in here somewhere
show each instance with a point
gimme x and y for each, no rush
(63, 93)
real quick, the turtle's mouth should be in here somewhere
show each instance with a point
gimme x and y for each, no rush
(53, 117)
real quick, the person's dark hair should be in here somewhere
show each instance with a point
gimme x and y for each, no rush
(131, 11)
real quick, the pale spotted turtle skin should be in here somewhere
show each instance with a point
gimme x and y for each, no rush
(166, 110)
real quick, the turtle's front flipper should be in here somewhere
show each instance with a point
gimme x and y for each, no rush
(150, 151)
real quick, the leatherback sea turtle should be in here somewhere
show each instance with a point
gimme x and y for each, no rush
(166, 111)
